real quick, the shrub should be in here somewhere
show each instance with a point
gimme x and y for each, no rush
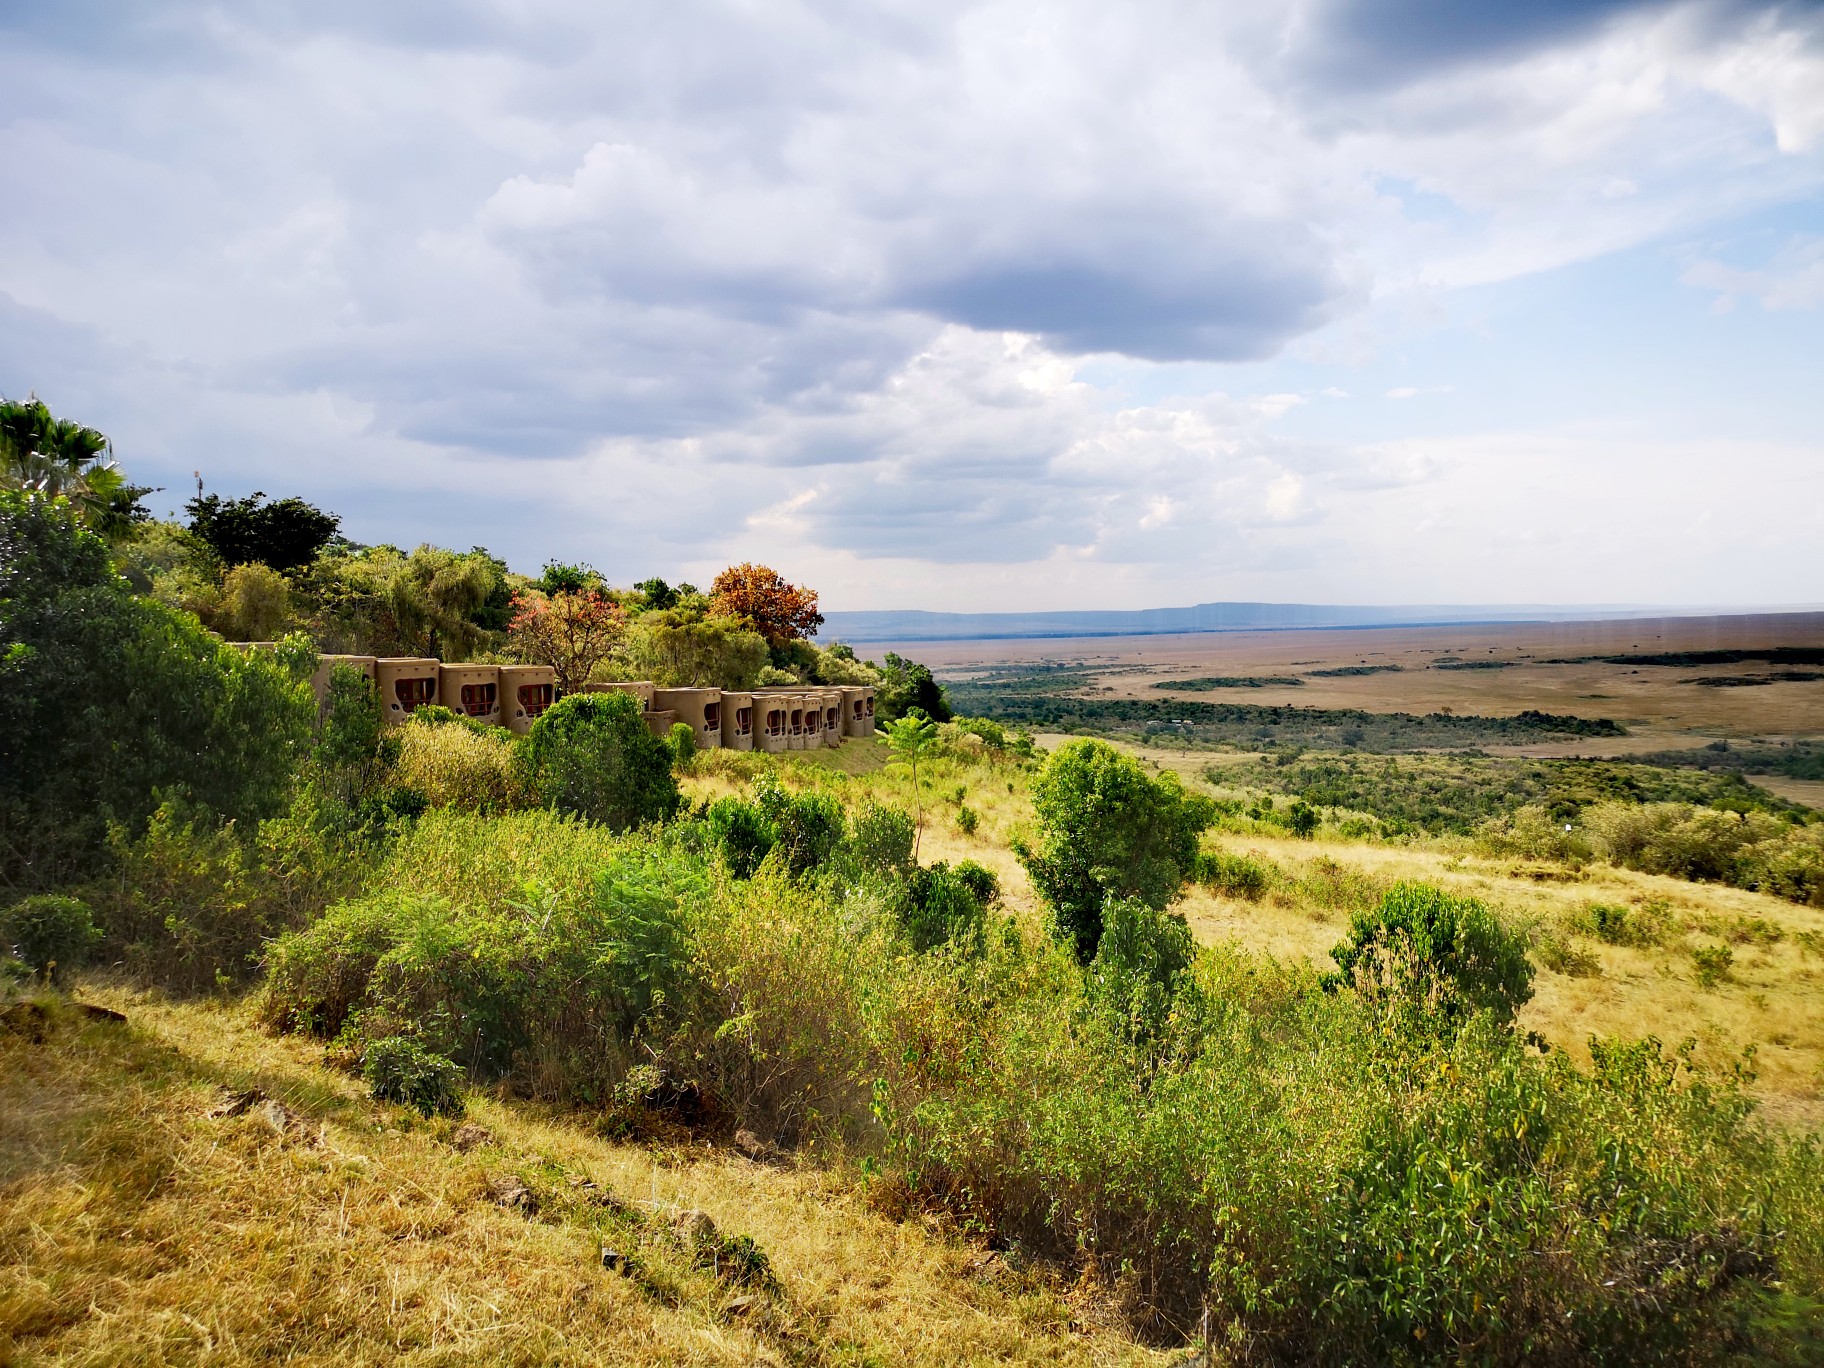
(967, 819)
(740, 835)
(1239, 876)
(1564, 956)
(1533, 833)
(807, 827)
(1432, 948)
(682, 742)
(458, 766)
(399, 1069)
(1107, 828)
(543, 981)
(592, 754)
(1135, 973)
(881, 838)
(49, 933)
(1713, 963)
(1615, 925)
(945, 906)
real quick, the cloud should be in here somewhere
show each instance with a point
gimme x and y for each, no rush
(875, 288)
(1793, 279)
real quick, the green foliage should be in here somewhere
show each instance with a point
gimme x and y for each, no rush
(457, 762)
(550, 982)
(48, 933)
(1108, 829)
(286, 535)
(906, 686)
(592, 754)
(880, 841)
(50, 457)
(740, 835)
(399, 1069)
(1444, 954)
(1143, 953)
(1646, 925)
(1753, 850)
(1239, 876)
(945, 906)
(106, 700)
(1713, 963)
(679, 648)
(967, 819)
(682, 742)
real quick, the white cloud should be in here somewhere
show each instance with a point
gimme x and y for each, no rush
(873, 289)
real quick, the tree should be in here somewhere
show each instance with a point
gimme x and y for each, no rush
(380, 601)
(592, 754)
(572, 632)
(657, 594)
(1108, 830)
(760, 598)
(60, 458)
(676, 649)
(287, 535)
(106, 700)
(911, 738)
(904, 685)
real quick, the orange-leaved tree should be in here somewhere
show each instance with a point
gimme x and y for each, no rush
(572, 632)
(761, 599)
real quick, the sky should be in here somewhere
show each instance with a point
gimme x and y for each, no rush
(953, 305)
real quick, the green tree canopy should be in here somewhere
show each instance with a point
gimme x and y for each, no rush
(108, 701)
(286, 535)
(593, 755)
(1108, 829)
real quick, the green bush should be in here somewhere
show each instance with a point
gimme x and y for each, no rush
(945, 906)
(1239, 876)
(49, 933)
(533, 978)
(1134, 976)
(458, 766)
(682, 742)
(807, 826)
(1616, 925)
(592, 755)
(1108, 828)
(967, 819)
(1713, 963)
(164, 707)
(1447, 954)
(399, 1069)
(740, 835)
(880, 841)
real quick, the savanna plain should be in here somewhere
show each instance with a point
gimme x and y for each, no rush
(1432, 995)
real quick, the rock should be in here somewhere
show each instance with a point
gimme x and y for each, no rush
(751, 1146)
(736, 1307)
(615, 1261)
(507, 1191)
(469, 1136)
(695, 1228)
(235, 1103)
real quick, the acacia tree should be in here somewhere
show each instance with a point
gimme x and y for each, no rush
(759, 597)
(570, 632)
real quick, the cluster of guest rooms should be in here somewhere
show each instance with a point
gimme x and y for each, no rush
(795, 717)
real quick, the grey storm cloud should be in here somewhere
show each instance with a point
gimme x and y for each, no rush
(759, 260)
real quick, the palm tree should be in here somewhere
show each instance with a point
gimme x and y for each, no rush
(59, 457)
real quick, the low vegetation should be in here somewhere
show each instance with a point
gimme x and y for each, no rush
(453, 997)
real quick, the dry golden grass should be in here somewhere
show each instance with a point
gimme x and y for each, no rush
(134, 1228)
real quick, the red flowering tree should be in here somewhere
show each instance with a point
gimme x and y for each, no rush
(760, 598)
(572, 632)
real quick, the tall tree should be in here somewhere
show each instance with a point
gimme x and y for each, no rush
(286, 535)
(760, 598)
